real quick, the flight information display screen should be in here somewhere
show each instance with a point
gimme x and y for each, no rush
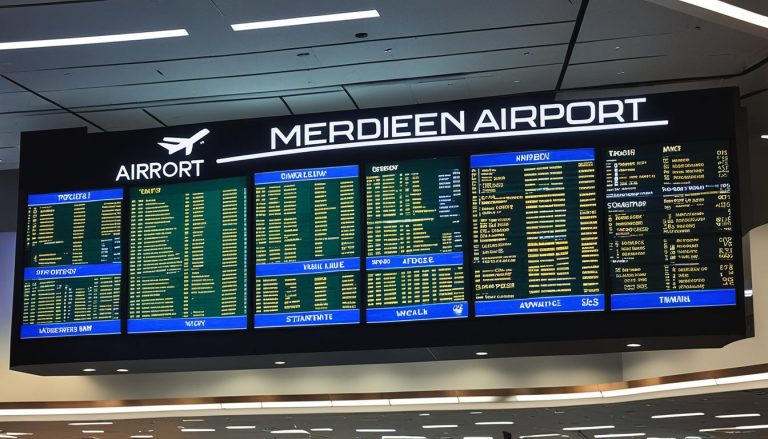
(535, 230)
(72, 260)
(415, 240)
(188, 256)
(307, 247)
(670, 226)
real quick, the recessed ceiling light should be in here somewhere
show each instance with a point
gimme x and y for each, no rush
(312, 19)
(634, 345)
(93, 431)
(279, 363)
(423, 414)
(289, 432)
(440, 426)
(142, 436)
(742, 415)
(197, 430)
(9, 433)
(80, 424)
(100, 39)
(594, 427)
(375, 430)
(539, 435)
(88, 369)
(321, 429)
(731, 11)
(619, 73)
(495, 423)
(192, 420)
(617, 48)
(475, 413)
(764, 136)
(240, 427)
(122, 370)
(481, 354)
(677, 415)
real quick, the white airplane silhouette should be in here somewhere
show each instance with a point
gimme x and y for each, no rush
(176, 144)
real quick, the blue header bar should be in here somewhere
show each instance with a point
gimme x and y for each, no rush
(48, 330)
(307, 318)
(540, 305)
(531, 157)
(75, 197)
(306, 175)
(70, 271)
(430, 311)
(673, 299)
(187, 324)
(308, 267)
(413, 261)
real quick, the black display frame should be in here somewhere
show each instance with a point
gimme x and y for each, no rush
(60, 160)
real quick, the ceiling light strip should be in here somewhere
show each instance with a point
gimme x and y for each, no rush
(312, 19)
(100, 39)
(730, 10)
(393, 402)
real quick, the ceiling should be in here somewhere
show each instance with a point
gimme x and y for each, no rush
(417, 51)
(629, 417)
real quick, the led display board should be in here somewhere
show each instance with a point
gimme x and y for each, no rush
(72, 264)
(531, 222)
(307, 247)
(670, 226)
(535, 232)
(188, 253)
(415, 240)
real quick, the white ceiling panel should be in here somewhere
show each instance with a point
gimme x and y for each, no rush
(382, 95)
(440, 90)
(70, 20)
(7, 86)
(118, 120)
(23, 102)
(439, 45)
(383, 71)
(609, 19)
(319, 102)
(244, 109)
(15, 123)
(641, 70)
(504, 82)
(363, 52)
(9, 157)
(426, 16)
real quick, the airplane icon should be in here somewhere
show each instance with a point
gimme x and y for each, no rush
(176, 144)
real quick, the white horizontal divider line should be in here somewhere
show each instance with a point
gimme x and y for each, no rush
(303, 150)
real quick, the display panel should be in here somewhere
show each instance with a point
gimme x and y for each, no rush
(307, 247)
(670, 226)
(72, 264)
(415, 240)
(188, 253)
(535, 232)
